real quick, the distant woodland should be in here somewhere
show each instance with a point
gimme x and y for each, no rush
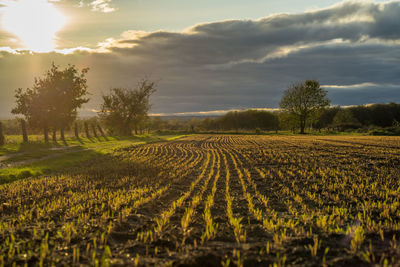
(51, 106)
(374, 119)
(378, 119)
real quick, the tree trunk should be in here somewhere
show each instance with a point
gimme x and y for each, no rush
(46, 134)
(87, 130)
(101, 130)
(62, 133)
(135, 130)
(302, 125)
(2, 139)
(94, 130)
(76, 131)
(54, 135)
(24, 132)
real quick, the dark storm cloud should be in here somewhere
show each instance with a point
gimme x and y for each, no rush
(242, 64)
(369, 95)
(227, 41)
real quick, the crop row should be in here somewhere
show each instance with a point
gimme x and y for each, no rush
(244, 200)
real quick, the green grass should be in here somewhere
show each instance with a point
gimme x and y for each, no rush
(77, 151)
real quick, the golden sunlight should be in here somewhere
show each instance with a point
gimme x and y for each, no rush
(35, 22)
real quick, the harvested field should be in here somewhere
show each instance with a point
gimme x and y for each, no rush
(213, 200)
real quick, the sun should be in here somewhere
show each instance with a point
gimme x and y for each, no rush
(35, 22)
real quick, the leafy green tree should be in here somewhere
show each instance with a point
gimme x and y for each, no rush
(287, 121)
(382, 114)
(53, 100)
(243, 120)
(124, 110)
(230, 121)
(156, 123)
(325, 119)
(209, 124)
(303, 100)
(344, 119)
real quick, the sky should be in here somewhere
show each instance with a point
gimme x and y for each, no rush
(205, 56)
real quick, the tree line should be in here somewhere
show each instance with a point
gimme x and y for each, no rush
(304, 105)
(356, 117)
(334, 119)
(52, 104)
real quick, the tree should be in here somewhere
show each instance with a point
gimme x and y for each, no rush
(344, 119)
(156, 123)
(230, 121)
(124, 110)
(53, 100)
(303, 100)
(287, 121)
(325, 120)
(382, 115)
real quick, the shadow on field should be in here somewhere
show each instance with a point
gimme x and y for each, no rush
(35, 159)
(46, 165)
(31, 146)
(108, 167)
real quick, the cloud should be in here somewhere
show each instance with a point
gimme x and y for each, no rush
(353, 48)
(349, 86)
(258, 40)
(379, 94)
(360, 86)
(98, 5)
(102, 6)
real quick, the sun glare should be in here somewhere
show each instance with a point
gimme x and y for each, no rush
(35, 22)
